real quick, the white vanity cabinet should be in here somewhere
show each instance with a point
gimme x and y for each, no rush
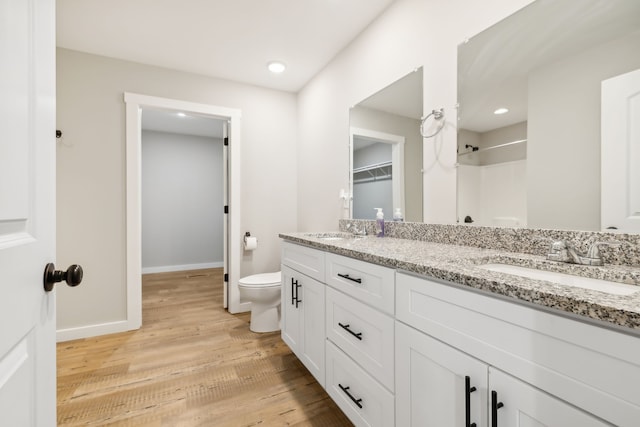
(303, 306)
(528, 367)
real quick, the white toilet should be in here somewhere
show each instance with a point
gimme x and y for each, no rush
(263, 291)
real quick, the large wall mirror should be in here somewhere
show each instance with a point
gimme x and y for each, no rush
(538, 164)
(386, 151)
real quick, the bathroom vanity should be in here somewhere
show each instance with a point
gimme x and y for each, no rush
(411, 332)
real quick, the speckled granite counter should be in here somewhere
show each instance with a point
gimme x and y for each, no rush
(460, 265)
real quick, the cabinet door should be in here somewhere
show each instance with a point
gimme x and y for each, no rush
(518, 404)
(290, 311)
(431, 382)
(311, 302)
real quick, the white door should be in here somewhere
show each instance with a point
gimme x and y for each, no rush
(620, 153)
(27, 212)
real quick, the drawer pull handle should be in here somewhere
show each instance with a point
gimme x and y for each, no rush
(495, 405)
(298, 300)
(294, 292)
(346, 328)
(467, 401)
(294, 283)
(346, 391)
(346, 276)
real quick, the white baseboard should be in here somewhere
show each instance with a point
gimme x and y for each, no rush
(242, 308)
(167, 268)
(94, 330)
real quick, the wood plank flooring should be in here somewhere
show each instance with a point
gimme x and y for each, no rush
(191, 364)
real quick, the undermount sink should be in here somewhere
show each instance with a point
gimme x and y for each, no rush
(330, 236)
(564, 279)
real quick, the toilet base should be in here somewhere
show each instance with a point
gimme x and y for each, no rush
(264, 319)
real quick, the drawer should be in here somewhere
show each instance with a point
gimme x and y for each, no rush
(366, 282)
(365, 334)
(304, 260)
(361, 398)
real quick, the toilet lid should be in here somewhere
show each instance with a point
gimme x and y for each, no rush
(264, 279)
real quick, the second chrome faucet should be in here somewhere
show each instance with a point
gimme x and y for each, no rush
(563, 251)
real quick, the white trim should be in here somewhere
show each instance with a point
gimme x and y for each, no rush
(183, 267)
(92, 330)
(134, 103)
(397, 160)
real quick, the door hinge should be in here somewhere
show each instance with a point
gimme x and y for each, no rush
(226, 140)
(226, 277)
(226, 209)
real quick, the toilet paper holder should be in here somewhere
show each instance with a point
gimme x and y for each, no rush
(249, 242)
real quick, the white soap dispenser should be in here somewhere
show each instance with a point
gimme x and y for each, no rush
(379, 223)
(397, 215)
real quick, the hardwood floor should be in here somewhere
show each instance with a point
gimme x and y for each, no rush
(191, 364)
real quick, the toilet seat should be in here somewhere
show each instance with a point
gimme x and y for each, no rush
(261, 280)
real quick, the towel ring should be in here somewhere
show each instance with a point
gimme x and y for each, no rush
(437, 115)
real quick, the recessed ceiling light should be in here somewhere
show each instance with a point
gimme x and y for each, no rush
(181, 115)
(276, 67)
(501, 110)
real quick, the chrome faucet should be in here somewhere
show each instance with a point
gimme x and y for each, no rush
(563, 251)
(353, 228)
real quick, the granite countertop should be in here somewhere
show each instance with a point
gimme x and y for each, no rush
(460, 265)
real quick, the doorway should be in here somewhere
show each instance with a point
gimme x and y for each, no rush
(232, 240)
(182, 190)
(376, 172)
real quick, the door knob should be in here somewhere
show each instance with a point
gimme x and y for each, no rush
(73, 276)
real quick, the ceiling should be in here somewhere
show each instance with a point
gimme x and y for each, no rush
(494, 66)
(226, 39)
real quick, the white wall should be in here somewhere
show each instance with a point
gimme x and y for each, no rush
(410, 34)
(91, 176)
(182, 199)
(493, 195)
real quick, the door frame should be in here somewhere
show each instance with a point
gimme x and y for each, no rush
(397, 161)
(133, 131)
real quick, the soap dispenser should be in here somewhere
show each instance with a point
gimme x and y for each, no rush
(397, 215)
(379, 223)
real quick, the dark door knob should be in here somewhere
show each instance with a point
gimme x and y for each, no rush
(73, 276)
